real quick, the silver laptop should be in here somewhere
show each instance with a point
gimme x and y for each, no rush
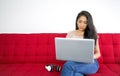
(74, 49)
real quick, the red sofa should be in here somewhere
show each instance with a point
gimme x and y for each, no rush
(27, 54)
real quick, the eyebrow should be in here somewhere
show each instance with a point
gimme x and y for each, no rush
(82, 20)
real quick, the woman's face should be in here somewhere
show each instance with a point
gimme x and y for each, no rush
(82, 23)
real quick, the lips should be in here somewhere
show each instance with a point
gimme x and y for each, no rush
(81, 27)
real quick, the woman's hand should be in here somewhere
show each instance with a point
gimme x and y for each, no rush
(97, 50)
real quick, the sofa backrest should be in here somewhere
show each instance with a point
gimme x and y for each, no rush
(109, 47)
(40, 48)
(28, 48)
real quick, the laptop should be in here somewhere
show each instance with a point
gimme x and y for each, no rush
(74, 49)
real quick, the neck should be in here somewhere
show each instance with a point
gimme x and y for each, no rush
(80, 31)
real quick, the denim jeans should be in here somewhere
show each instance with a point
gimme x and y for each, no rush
(71, 68)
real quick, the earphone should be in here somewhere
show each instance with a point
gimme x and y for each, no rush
(50, 68)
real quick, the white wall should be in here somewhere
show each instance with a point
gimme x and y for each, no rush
(41, 16)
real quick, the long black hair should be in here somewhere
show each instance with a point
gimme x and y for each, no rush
(90, 31)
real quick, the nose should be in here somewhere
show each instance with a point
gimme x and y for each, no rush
(82, 24)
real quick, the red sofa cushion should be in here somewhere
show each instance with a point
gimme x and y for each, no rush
(110, 48)
(27, 48)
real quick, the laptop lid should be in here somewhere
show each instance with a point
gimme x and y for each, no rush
(75, 49)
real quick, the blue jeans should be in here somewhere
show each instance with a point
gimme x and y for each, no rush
(71, 68)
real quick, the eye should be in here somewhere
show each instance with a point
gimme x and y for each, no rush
(85, 22)
(80, 21)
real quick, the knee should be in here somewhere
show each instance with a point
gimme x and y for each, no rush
(67, 69)
(68, 65)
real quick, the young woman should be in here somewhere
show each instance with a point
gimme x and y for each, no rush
(84, 29)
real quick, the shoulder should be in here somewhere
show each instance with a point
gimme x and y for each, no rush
(70, 33)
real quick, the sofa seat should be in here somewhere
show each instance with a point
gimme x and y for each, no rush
(108, 70)
(26, 69)
(27, 54)
(30, 69)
